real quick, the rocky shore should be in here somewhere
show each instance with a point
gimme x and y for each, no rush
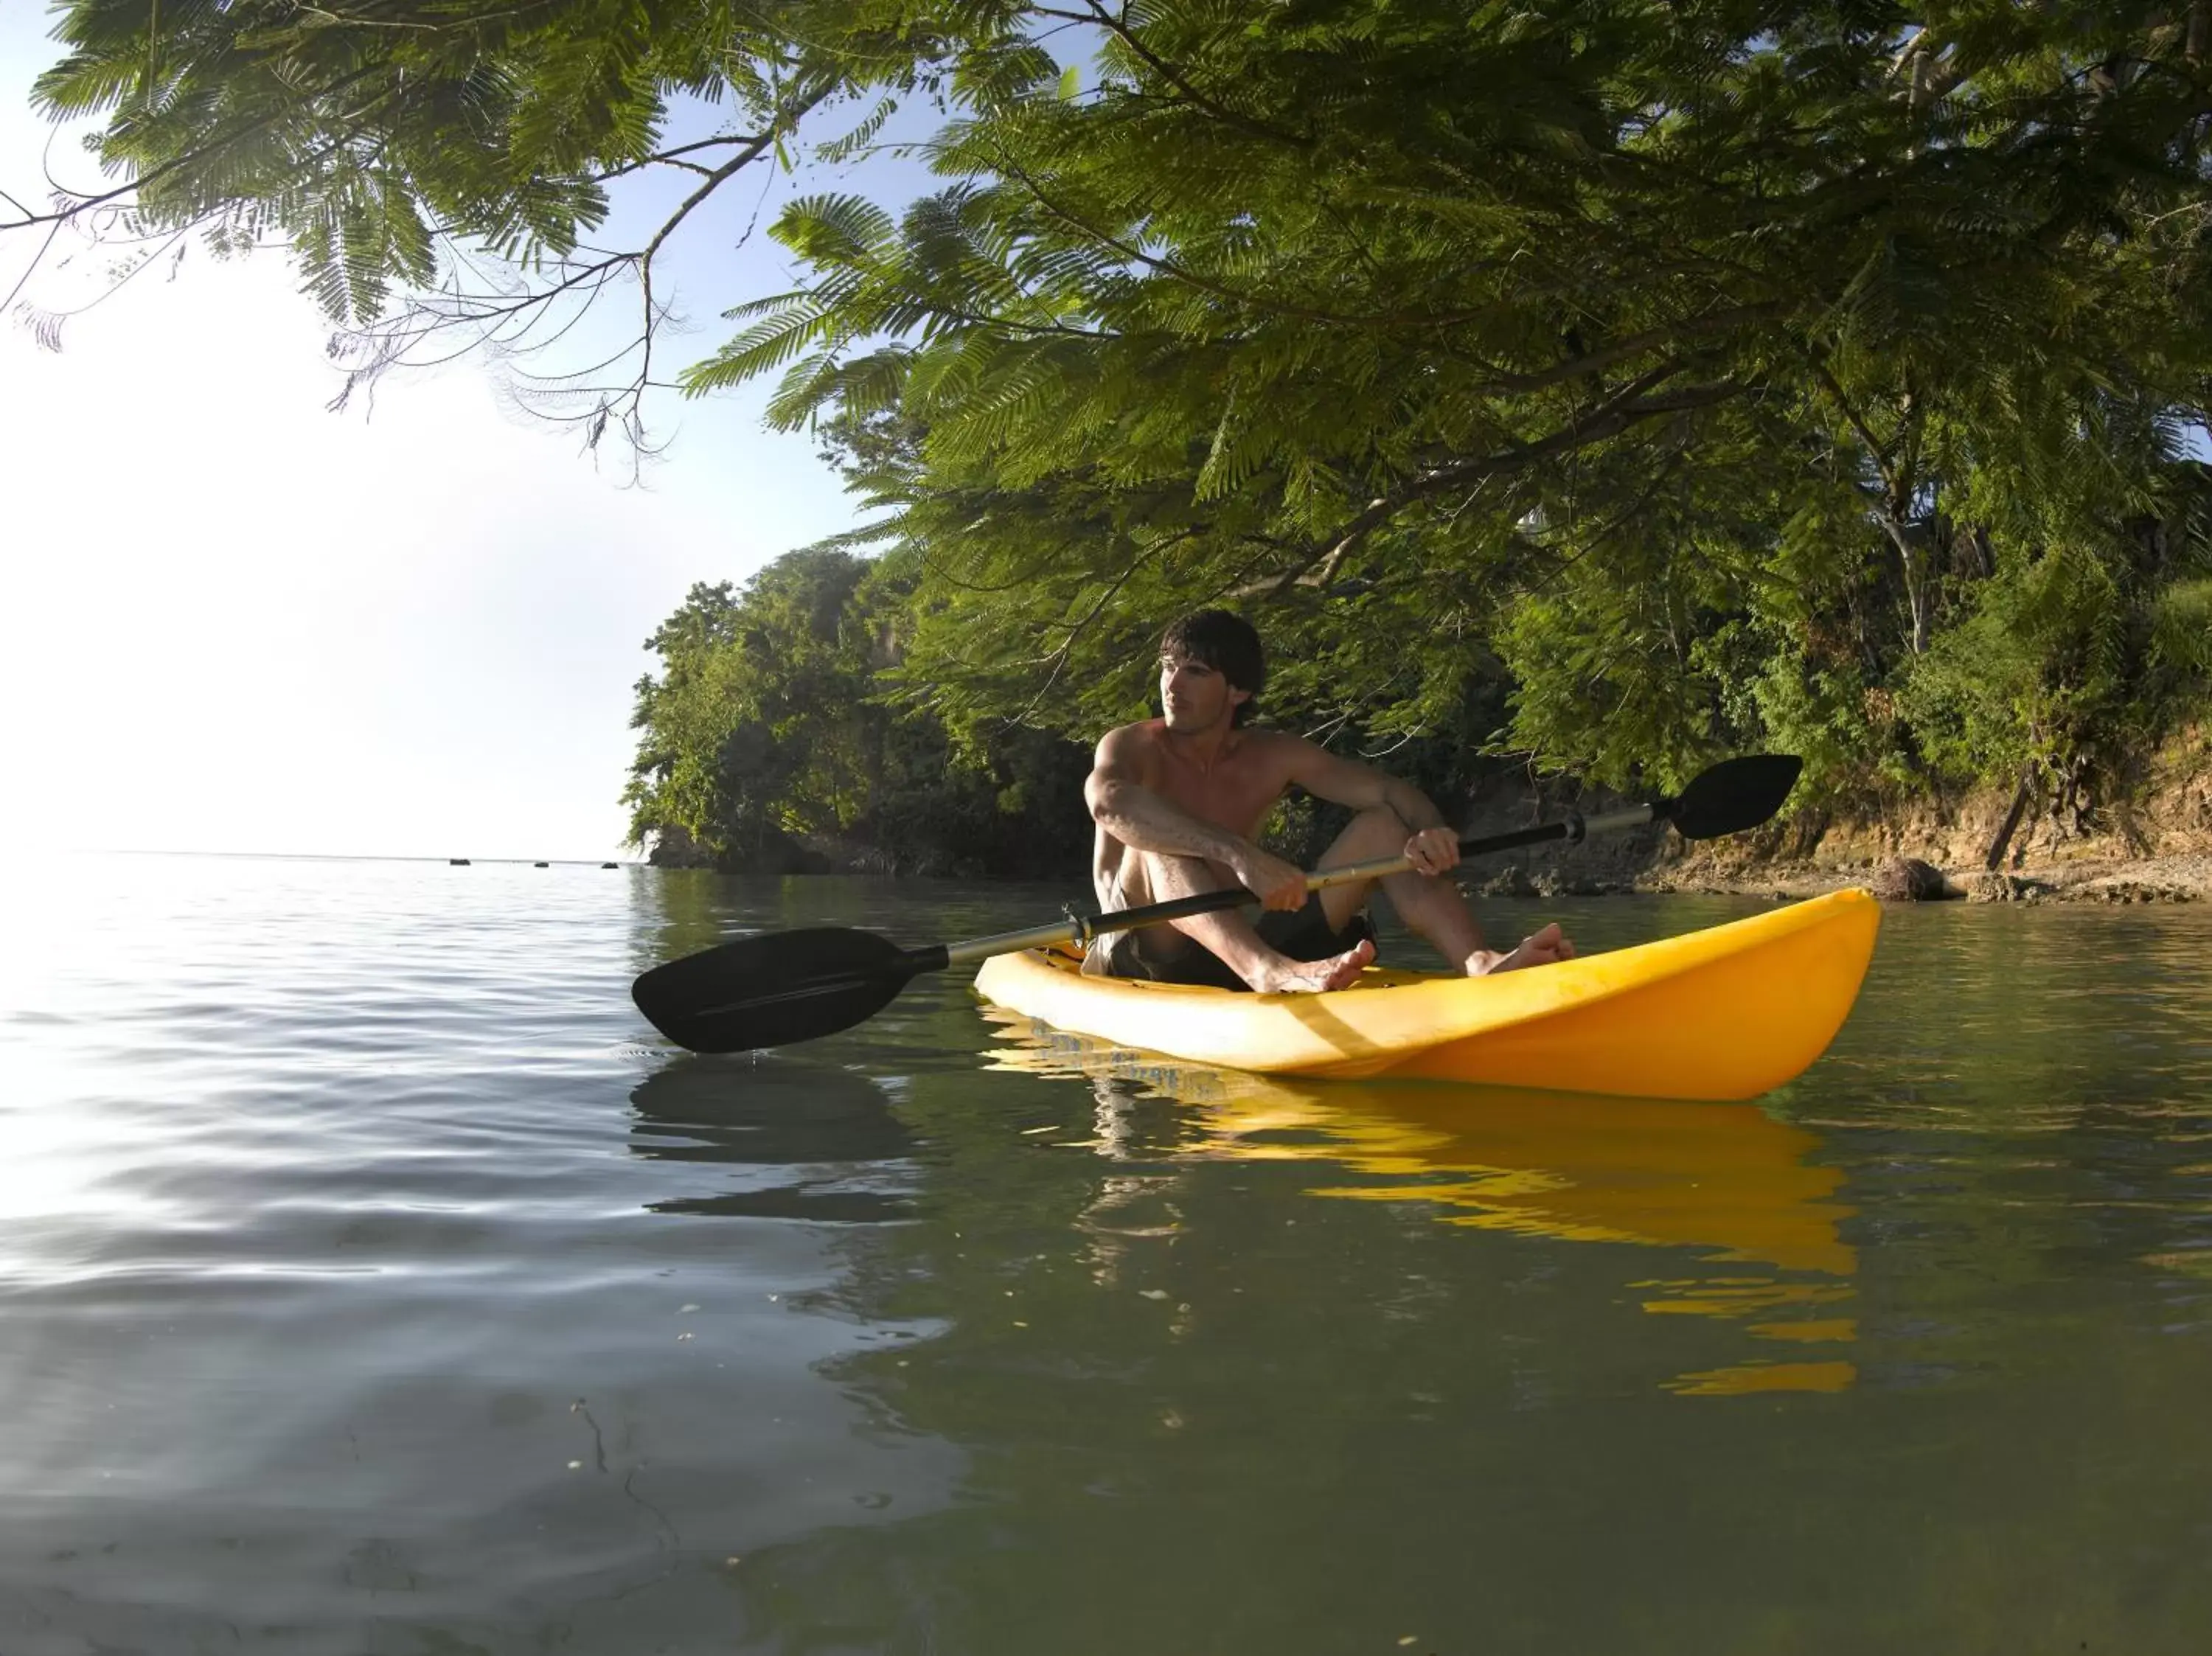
(2130, 880)
(2152, 845)
(2145, 880)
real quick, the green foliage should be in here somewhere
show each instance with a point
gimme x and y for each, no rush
(1611, 383)
(1686, 370)
(2026, 673)
(384, 137)
(765, 740)
(2181, 621)
(2076, 643)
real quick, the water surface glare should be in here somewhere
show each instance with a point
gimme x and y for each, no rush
(373, 1279)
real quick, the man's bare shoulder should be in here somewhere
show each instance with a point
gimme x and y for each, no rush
(1276, 752)
(1129, 744)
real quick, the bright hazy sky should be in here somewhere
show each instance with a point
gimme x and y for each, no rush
(233, 621)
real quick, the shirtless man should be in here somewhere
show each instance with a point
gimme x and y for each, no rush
(1178, 799)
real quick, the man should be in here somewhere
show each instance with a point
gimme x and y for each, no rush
(1177, 800)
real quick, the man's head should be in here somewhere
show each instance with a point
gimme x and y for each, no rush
(1210, 662)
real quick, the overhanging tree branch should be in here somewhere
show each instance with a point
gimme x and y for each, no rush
(1619, 416)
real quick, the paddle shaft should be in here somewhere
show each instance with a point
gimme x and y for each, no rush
(1079, 930)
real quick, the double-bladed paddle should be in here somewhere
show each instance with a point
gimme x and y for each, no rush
(785, 987)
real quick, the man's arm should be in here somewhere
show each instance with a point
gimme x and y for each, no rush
(1431, 846)
(1144, 820)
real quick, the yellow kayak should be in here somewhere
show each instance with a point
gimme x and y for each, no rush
(1729, 1012)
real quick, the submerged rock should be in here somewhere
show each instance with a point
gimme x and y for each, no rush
(2137, 891)
(1909, 880)
(1994, 888)
(1511, 881)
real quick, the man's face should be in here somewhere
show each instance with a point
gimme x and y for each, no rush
(1195, 696)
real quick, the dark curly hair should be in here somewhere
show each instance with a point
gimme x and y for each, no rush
(1225, 642)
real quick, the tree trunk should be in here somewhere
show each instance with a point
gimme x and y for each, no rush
(1919, 591)
(2030, 782)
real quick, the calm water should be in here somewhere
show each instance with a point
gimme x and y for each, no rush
(372, 1279)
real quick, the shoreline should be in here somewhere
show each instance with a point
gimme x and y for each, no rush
(2149, 841)
(2180, 878)
(2154, 845)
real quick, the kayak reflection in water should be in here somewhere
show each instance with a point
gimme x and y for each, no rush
(1178, 798)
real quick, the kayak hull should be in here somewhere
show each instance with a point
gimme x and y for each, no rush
(1729, 1012)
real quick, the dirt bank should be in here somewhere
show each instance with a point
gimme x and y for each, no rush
(2153, 843)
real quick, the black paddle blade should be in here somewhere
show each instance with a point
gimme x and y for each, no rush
(1734, 795)
(773, 990)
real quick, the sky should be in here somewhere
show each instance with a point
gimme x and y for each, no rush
(233, 621)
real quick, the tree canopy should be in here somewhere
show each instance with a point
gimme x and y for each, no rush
(1612, 381)
(765, 743)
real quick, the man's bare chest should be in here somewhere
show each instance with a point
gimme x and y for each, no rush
(1235, 797)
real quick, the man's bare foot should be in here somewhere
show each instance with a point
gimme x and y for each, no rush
(1538, 949)
(1335, 972)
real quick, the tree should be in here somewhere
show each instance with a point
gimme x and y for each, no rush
(1581, 330)
(1646, 378)
(770, 744)
(439, 168)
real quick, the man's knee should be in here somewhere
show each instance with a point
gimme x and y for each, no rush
(1376, 832)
